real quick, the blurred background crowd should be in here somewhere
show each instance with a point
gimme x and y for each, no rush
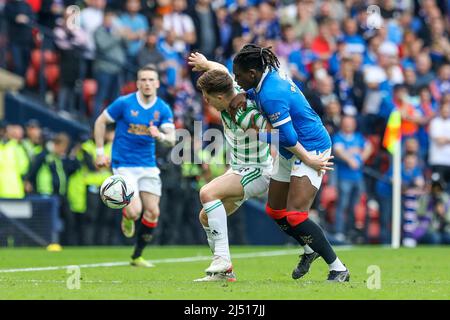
(352, 70)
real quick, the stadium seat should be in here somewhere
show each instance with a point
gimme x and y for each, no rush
(128, 88)
(52, 72)
(89, 91)
(31, 77)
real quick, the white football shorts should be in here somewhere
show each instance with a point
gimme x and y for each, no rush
(254, 180)
(144, 179)
(284, 169)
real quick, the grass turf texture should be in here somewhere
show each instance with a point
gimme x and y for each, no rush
(421, 273)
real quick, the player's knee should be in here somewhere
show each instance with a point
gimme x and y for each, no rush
(295, 218)
(151, 214)
(207, 195)
(203, 218)
(130, 213)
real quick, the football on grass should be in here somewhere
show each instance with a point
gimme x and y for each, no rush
(116, 192)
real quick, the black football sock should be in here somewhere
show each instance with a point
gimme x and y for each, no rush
(312, 235)
(144, 236)
(286, 227)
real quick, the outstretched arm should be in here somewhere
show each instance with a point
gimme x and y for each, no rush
(199, 63)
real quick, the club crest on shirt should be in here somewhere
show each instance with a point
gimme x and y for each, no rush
(156, 115)
(134, 113)
(274, 117)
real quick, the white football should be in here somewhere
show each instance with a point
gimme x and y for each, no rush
(116, 192)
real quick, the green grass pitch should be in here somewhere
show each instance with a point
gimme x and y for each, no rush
(262, 272)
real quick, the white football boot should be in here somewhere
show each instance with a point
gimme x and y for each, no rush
(219, 265)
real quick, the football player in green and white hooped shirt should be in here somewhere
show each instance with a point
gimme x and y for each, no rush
(251, 164)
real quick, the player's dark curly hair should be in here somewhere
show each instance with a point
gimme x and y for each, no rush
(253, 56)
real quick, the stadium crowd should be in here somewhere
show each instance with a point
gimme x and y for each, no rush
(354, 70)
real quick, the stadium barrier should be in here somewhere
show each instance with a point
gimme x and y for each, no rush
(19, 109)
(29, 222)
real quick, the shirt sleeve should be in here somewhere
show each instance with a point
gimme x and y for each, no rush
(287, 135)
(277, 112)
(115, 110)
(244, 118)
(167, 118)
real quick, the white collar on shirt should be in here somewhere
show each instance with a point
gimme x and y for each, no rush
(143, 105)
(266, 72)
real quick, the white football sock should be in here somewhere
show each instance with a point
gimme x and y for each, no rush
(209, 238)
(337, 265)
(308, 249)
(217, 220)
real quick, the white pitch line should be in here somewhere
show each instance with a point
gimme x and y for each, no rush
(169, 260)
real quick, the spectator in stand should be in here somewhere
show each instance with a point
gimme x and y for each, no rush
(371, 52)
(51, 11)
(110, 59)
(434, 214)
(303, 19)
(182, 26)
(428, 109)
(288, 43)
(332, 117)
(301, 60)
(355, 43)
(325, 91)
(440, 44)
(411, 117)
(71, 43)
(34, 141)
(136, 28)
(268, 22)
(20, 18)
(423, 68)
(412, 188)
(206, 28)
(411, 80)
(14, 163)
(388, 60)
(412, 146)
(323, 44)
(150, 52)
(174, 61)
(48, 175)
(441, 85)
(91, 18)
(439, 154)
(350, 88)
(351, 150)
(225, 29)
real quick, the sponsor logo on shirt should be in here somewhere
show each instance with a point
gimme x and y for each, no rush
(139, 129)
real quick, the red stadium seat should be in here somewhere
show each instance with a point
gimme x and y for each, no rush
(89, 91)
(128, 88)
(31, 77)
(36, 59)
(52, 72)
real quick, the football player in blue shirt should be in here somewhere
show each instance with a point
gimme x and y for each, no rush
(142, 119)
(304, 155)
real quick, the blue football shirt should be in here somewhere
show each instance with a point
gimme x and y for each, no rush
(133, 146)
(287, 109)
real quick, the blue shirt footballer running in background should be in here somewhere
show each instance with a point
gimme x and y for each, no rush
(142, 119)
(304, 154)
